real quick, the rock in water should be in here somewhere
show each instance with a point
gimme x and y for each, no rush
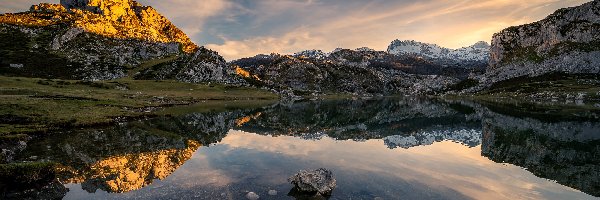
(272, 192)
(252, 196)
(319, 181)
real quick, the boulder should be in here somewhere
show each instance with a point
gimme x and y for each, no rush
(318, 181)
(252, 196)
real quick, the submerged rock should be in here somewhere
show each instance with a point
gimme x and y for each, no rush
(272, 192)
(319, 181)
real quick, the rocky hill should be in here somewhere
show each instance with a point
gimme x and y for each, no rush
(566, 42)
(360, 72)
(474, 56)
(100, 40)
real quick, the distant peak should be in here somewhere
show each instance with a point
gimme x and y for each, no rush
(124, 19)
(112, 8)
(313, 53)
(365, 49)
(477, 52)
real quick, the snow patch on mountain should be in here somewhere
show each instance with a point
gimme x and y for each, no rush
(314, 53)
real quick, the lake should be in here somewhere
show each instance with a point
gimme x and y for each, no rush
(380, 148)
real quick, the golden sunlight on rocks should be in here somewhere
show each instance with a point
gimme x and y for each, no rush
(123, 19)
(242, 72)
(130, 172)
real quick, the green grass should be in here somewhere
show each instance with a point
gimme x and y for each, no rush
(557, 83)
(38, 105)
(150, 64)
(549, 97)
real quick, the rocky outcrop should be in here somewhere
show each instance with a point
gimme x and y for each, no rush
(102, 40)
(126, 19)
(568, 41)
(357, 72)
(203, 66)
(319, 182)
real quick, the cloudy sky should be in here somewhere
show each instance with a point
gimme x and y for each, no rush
(243, 28)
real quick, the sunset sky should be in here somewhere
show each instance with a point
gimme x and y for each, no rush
(243, 28)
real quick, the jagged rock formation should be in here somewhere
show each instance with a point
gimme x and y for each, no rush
(101, 40)
(203, 66)
(565, 42)
(358, 72)
(473, 57)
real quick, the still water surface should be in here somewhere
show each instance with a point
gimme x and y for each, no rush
(404, 148)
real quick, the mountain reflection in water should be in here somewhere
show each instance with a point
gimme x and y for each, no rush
(390, 148)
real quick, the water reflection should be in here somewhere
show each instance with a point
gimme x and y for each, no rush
(389, 148)
(567, 152)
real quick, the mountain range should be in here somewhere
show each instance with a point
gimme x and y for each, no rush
(471, 56)
(105, 40)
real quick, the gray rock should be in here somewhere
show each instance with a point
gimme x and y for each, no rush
(564, 42)
(252, 196)
(319, 181)
(358, 73)
(272, 192)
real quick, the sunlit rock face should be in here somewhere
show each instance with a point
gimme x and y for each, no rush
(126, 19)
(104, 40)
(566, 41)
(114, 9)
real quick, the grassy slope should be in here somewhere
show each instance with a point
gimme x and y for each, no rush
(555, 87)
(33, 105)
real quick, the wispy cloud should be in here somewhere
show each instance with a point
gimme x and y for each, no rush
(190, 15)
(375, 24)
(241, 28)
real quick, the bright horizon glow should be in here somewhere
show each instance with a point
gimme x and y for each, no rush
(238, 28)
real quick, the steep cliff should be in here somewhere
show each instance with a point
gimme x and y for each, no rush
(567, 41)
